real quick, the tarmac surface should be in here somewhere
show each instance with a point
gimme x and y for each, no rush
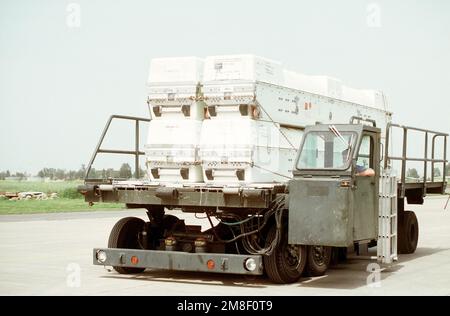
(51, 254)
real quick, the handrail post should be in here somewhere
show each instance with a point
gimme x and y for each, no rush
(405, 139)
(99, 144)
(433, 157)
(386, 146)
(425, 164)
(445, 160)
(136, 157)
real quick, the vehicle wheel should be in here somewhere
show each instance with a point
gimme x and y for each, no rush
(408, 233)
(287, 262)
(318, 260)
(125, 234)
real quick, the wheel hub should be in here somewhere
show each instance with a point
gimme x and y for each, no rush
(319, 254)
(292, 255)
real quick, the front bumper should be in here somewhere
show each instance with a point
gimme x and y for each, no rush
(178, 261)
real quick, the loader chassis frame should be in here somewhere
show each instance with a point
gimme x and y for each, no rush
(190, 197)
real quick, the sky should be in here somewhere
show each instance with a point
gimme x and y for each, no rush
(61, 77)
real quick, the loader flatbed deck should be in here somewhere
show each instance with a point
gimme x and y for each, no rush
(192, 196)
(195, 196)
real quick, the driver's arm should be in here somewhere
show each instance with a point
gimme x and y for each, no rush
(364, 172)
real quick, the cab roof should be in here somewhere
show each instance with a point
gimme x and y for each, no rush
(343, 127)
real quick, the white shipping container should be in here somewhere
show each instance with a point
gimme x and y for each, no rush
(254, 119)
(173, 88)
(242, 67)
(370, 98)
(177, 112)
(286, 106)
(323, 85)
(175, 70)
(172, 150)
(255, 129)
(239, 150)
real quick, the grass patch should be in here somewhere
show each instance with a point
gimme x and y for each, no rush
(69, 200)
(59, 205)
(63, 188)
(69, 193)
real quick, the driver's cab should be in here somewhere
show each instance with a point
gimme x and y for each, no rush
(338, 150)
(333, 198)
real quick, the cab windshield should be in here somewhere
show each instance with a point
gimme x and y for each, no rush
(327, 150)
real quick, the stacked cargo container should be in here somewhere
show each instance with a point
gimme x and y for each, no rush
(239, 119)
(174, 98)
(257, 113)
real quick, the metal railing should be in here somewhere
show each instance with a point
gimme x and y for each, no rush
(136, 152)
(404, 158)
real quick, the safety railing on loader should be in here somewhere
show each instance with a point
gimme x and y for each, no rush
(426, 182)
(136, 152)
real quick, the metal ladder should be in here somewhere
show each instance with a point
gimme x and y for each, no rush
(387, 218)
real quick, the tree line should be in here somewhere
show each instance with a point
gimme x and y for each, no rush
(7, 174)
(413, 173)
(123, 172)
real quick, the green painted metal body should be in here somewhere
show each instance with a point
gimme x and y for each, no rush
(335, 207)
(320, 213)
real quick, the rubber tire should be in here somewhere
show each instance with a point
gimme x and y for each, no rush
(276, 266)
(314, 268)
(124, 235)
(408, 233)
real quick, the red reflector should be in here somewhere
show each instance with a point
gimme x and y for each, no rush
(134, 260)
(210, 264)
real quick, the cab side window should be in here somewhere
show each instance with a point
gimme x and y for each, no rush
(365, 155)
